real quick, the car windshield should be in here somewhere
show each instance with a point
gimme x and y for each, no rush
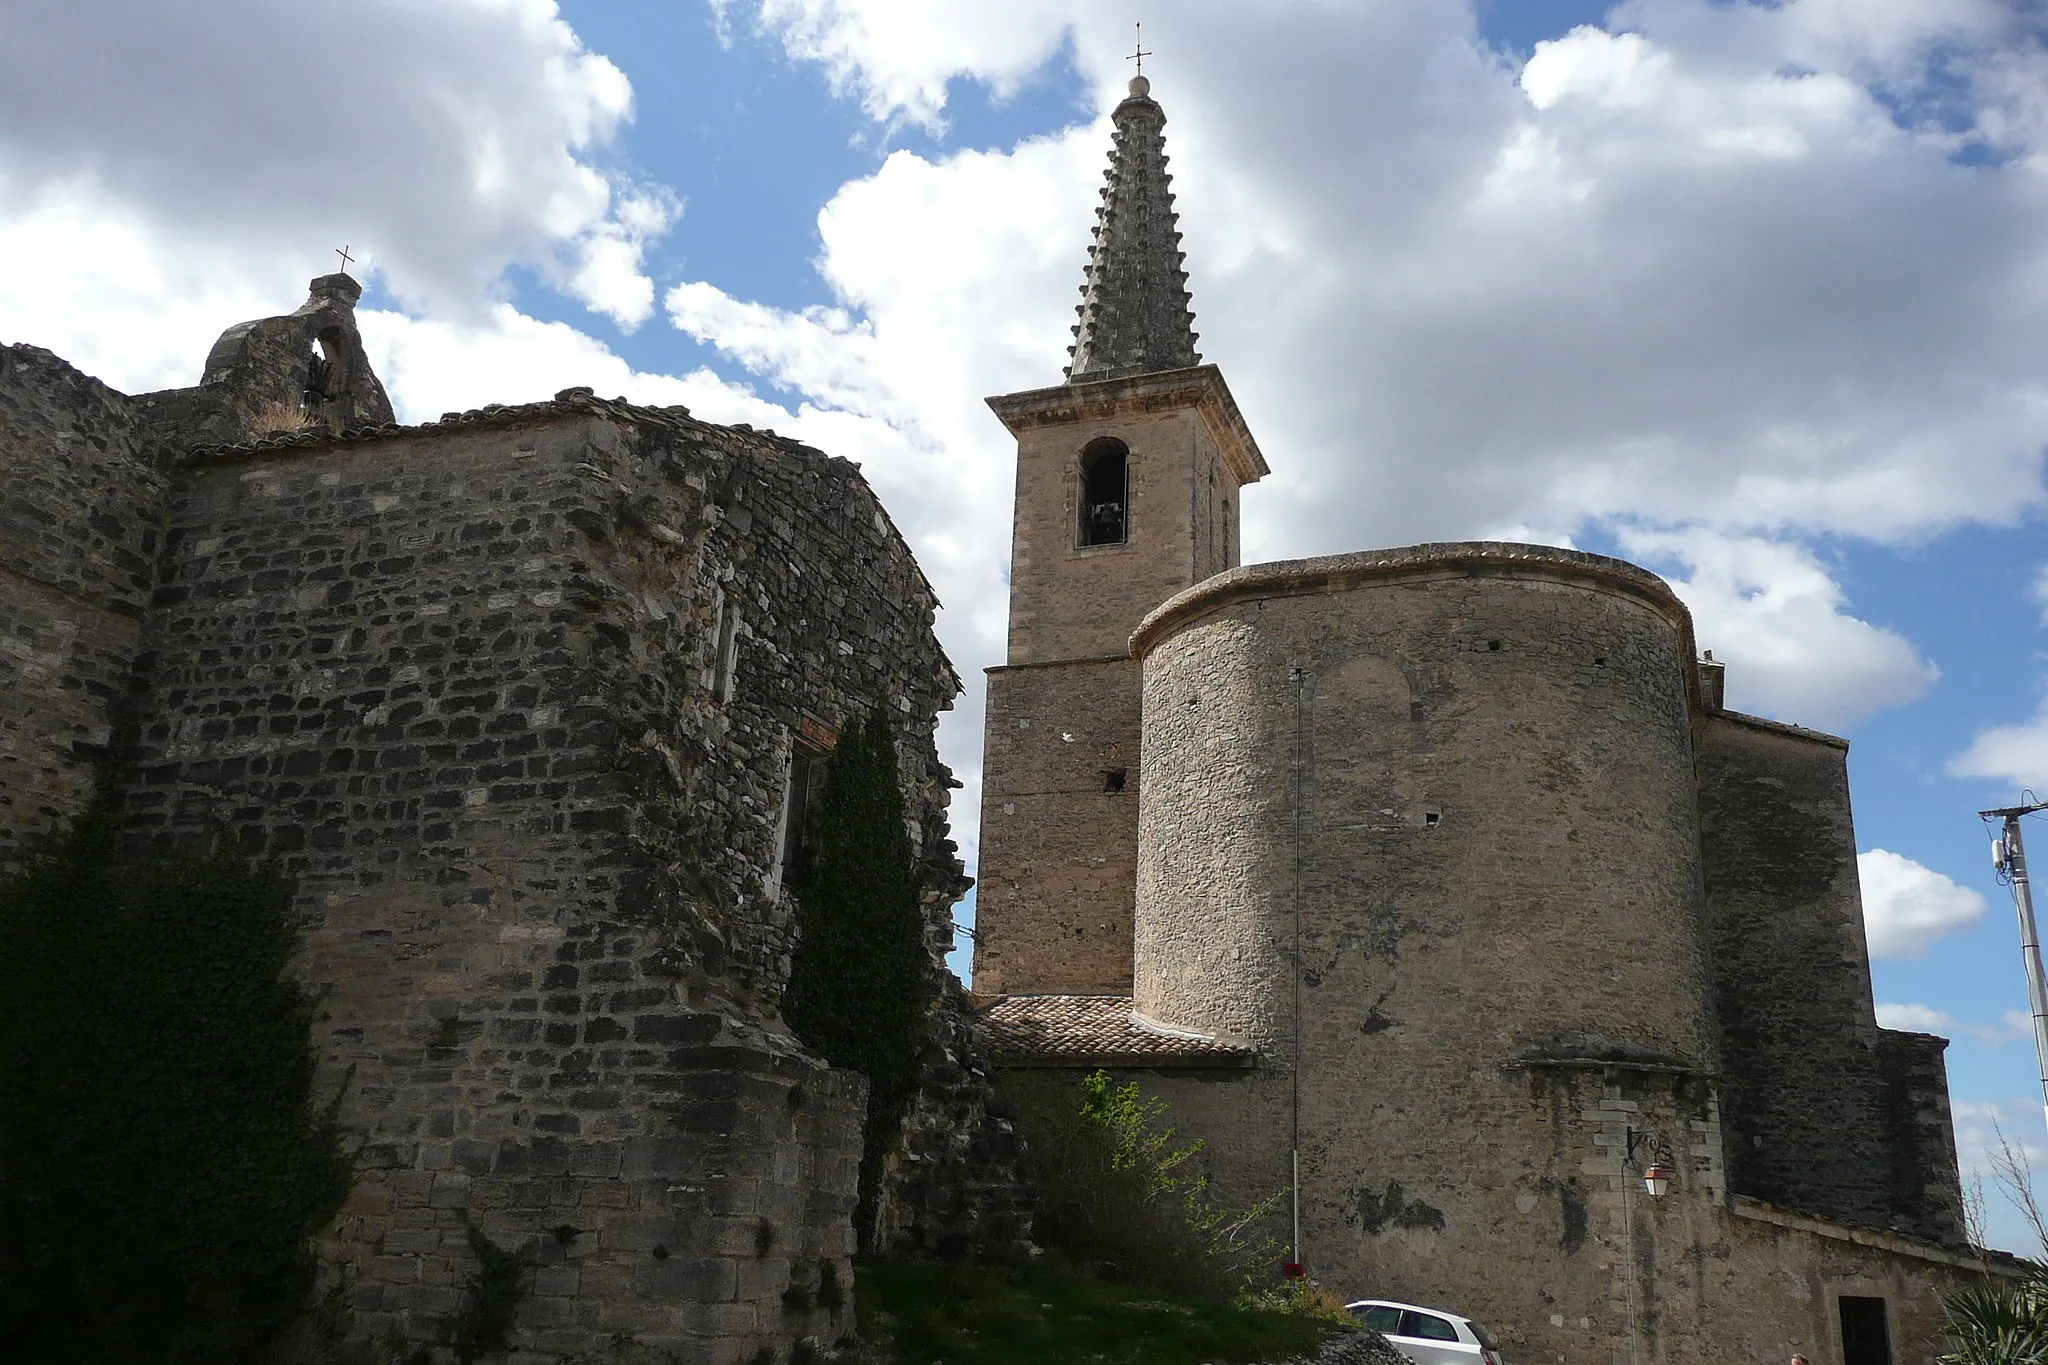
(1485, 1337)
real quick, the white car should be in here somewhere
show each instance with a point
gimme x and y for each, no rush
(1428, 1336)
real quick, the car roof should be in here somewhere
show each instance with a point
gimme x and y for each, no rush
(1420, 1308)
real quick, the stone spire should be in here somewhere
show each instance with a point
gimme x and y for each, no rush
(1134, 307)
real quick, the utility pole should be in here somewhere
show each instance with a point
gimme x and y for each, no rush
(2009, 856)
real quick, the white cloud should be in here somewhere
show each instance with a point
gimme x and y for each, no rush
(1914, 1018)
(1772, 613)
(1982, 1126)
(206, 155)
(1906, 906)
(2012, 1026)
(2016, 755)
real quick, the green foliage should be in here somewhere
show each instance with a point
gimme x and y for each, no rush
(164, 1166)
(967, 1314)
(496, 1289)
(1117, 1189)
(861, 979)
(2000, 1322)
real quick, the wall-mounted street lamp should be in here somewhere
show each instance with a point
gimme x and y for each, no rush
(1656, 1176)
(1656, 1180)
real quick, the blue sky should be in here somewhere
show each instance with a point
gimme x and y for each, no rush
(1756, 294)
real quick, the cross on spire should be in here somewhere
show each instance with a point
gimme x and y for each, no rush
(1141, 54)
(342, 251)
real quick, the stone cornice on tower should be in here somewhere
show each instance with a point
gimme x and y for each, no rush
(1198, 386)
(1134, 309)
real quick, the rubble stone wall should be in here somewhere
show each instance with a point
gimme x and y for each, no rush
(80, 512)
(512, 698)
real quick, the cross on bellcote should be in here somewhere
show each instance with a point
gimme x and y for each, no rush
(342, 252)
(1141, 54)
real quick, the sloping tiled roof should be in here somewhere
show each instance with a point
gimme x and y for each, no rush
(1092, 1030)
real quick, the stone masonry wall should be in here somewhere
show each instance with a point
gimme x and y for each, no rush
(513, 698)
(79, 534)
(1058, 845)
(1820, 1114)
(1071, 602)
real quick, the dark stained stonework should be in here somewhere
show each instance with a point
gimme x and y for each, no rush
(513, 697)
(1824, 1110)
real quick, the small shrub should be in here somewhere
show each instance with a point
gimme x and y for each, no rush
(1118, 1189)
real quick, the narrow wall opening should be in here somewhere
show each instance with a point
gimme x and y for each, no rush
(1105, 492)
(1865, 1338)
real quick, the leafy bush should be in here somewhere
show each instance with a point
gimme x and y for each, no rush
(164, 1169)
(861, 980)
(971, 1314)
(2000, 1323)
(1117, 1189)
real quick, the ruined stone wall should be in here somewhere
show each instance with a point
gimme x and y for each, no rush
(1059, 829)
(1826, 1111)
(79, 534)
(513, 698)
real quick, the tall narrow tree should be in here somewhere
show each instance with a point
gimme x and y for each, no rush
(862, 980)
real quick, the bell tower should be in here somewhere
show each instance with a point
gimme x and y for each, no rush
(1127, 492)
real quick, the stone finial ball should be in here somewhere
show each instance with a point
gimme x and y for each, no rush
(1140, 86)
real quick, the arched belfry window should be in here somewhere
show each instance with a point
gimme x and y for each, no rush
(1105, 492)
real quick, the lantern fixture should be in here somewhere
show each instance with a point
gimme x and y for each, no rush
(1656, 1176)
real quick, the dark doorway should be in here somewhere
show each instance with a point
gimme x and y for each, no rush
(1105, 489)
(1864, 1338)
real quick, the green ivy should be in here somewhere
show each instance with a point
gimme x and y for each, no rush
(162, 1167)
(861, 979)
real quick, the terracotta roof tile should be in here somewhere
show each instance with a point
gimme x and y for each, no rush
(1092, 1030)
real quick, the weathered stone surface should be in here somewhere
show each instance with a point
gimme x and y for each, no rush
(1826, 1112)
(514, 699)
(80, 516)
(1134, 307)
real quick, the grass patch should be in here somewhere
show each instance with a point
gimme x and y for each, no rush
(964, 1314)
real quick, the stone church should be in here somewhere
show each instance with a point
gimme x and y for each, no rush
(1438, 892)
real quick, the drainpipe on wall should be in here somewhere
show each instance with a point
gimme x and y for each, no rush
(1299, 676)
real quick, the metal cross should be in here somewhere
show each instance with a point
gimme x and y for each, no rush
(1141, 54)
(345, 258)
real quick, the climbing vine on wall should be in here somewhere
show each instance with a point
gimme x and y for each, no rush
(162, 1166)
(861, 980)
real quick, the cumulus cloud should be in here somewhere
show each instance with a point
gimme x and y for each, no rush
(1914, 1018)
(1705, 270)
(2016, 755)
(1771, 612)
(2014, 1025)
(1906, 906)
(213, 149)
